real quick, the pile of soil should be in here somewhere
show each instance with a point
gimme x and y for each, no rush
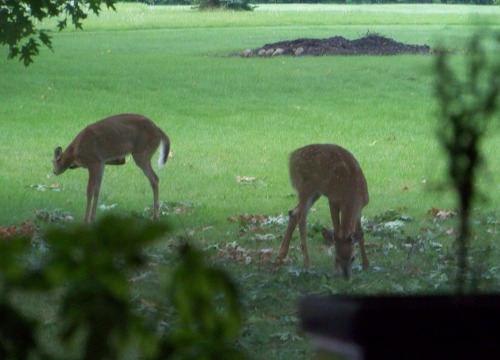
(371, 44)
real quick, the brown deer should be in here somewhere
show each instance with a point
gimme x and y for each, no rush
(107, 142)
(331, 171)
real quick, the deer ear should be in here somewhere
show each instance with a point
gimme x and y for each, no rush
(58, 153)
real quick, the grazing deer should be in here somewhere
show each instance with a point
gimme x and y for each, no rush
(332, 171)
(107, 142)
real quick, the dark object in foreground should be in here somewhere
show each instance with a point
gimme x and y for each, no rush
(412, 327)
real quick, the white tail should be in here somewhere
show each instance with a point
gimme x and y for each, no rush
(107, 142)
(331, 171)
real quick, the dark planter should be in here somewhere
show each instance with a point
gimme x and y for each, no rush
(404, 327)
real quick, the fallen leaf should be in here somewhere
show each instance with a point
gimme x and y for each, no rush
(394, 225)
(445, 214)
(433, 211)
(435, 214)
(451, 231)
(149, 304)
(43, 187)
(105, 207)
(245, 180)
(416, 272)
(265, 237)
(26, 229)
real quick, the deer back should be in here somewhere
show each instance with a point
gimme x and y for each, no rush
(331, 171)
(109, 139)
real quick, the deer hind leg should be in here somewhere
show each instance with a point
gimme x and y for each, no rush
(335, 215)
(292, 224)
(144, 163)
(303, 236)
(361, 241)
(93, 188)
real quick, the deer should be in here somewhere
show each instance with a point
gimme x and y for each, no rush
(329, 170)
(108, 142)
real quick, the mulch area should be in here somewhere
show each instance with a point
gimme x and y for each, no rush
(371, 44)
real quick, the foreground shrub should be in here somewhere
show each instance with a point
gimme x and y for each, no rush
(86, 272)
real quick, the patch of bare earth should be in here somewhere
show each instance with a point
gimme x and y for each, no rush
(371, 44)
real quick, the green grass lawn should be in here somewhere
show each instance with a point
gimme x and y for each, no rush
(229, 116)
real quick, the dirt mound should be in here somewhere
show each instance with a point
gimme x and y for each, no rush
(371, 44)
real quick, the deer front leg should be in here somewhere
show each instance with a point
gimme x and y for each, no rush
(335, 216)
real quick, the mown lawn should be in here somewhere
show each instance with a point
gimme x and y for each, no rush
(231, 117)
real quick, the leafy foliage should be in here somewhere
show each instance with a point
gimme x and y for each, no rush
(467, 105)
(17, 331)
(208, 309)
(89, 269)
(93, 263)
(19, 20)
(116, 291)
